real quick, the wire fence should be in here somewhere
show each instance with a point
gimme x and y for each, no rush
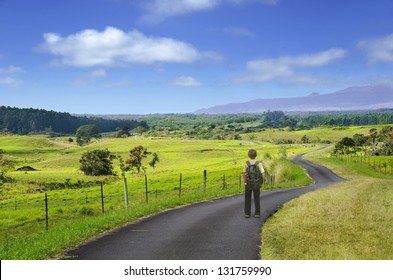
(50, 207)
(381, 164)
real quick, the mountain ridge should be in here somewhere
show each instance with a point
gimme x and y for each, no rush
(351, 98)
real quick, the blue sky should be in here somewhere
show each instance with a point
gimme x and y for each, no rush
(176, 56)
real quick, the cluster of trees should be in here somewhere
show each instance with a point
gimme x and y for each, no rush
(375, 143)
(344, 119)
(27, 121)
(100, 162)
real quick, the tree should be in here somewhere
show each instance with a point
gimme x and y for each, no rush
(362, 142)
(6, 165)
(97, 162)
(305, 139)
(387, 145)
(374, 141)
(135, 160)
(345, 146)
(85, 133)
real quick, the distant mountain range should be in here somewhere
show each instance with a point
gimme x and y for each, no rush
(353, 98)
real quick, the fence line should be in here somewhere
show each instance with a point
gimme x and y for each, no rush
(110, 198)
(381, 165)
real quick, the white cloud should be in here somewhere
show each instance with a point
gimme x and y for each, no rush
(87, 77)
(114, 47)
(186, 81)
(239, 31)
(159, 10)
(11, 69)
(99, 73)
(285, 67)
(8, 72)
(9, 81)
(378, 50)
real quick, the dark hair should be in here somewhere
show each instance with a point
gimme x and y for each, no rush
(252, 154)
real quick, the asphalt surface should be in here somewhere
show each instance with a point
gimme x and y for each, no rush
(215, 230)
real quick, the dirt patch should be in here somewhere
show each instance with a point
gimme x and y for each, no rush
(26, 168)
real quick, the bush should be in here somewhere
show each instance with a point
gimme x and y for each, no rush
(97, 163)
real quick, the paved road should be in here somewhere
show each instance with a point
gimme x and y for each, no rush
(215, 230)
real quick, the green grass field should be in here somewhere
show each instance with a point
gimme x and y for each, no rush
(75, 208)
(75, 211)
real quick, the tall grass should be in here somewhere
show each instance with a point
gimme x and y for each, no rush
(352, 220)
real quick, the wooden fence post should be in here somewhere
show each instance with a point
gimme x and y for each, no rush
(46, 212)
(224, 184)
(180, 185)
(204, 179)
(147, 194)
(125, 191)
(102, 199)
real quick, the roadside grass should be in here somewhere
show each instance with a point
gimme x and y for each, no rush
(75, 213)
(351, 220)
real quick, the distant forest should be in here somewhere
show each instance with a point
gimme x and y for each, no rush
(29, 121)
(34, 121)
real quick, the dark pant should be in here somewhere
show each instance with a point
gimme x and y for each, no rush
(247, 200)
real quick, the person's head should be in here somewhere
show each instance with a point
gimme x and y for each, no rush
(252, 154)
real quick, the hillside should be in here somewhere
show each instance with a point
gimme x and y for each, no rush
(353, 98)
(25, 121)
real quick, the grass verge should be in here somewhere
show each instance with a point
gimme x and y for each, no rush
(352, 220)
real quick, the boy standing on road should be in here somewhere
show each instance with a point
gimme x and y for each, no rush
(253, 172)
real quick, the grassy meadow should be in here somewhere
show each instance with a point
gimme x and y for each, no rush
(349, 221)
(75, 209)
(352, 220)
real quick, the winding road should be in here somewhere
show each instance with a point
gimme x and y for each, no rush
(215, 230)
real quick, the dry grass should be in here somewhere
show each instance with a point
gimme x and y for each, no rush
(353, 220)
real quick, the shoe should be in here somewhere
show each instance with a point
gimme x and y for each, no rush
(246, 216)
(257, 216)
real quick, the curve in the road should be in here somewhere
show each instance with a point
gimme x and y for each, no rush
(215, 230)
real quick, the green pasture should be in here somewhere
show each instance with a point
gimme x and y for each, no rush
(316, 135)
(74, 199)
(75, 203)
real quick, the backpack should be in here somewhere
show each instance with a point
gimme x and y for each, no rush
(254, 176)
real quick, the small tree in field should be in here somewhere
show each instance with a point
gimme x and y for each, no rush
(97, 163)
(85, 133)
(134, 162)
(136, 157)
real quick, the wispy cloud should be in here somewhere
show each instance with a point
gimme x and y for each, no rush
(114, 47)
(87, 77)
(186, 81)
(9, 81)
(378, 50)
(7, 76)
(239, 32)
(11, 69)
(285, 68)
(159, 10)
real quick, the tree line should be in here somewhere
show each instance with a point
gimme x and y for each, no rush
(26, 121)
(375, 143)
(30, 121)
